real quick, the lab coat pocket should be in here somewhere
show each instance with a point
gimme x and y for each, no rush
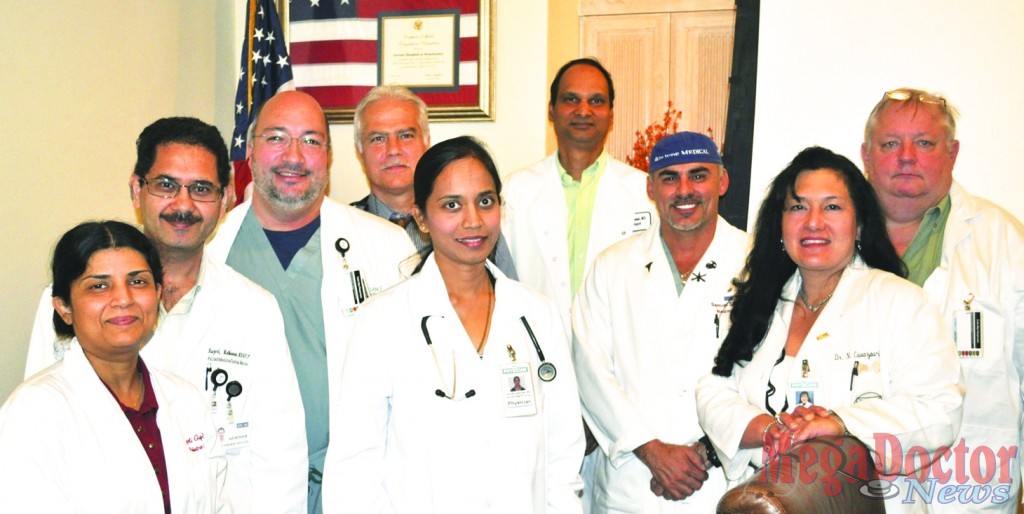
(869, 383)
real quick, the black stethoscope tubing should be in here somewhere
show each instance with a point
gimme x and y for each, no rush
(546, 371)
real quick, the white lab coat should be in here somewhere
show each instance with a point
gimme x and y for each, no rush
(909, 383)
(404, 449)
(233, 325)
(534, 222)
(983, 255)
(66, 446)
(639, 349)
(377, 248)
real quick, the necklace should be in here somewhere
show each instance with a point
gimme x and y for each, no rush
(816, 307)
(142, 392)
(487, 324)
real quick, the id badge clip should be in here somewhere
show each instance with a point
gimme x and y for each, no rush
(359, 290)
(806, 390)
(967, 331)
(517, 383)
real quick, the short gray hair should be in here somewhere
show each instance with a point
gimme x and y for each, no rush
(397, 93)
(915, 98)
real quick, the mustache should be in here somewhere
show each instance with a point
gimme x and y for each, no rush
(294, 168)
(682, 200)
(182, 217)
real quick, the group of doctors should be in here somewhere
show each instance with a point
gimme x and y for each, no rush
(455, 390)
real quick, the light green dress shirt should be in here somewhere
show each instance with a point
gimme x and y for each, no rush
(579, 201)
(924, 253)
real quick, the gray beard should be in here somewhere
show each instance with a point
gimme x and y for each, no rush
(264, 186)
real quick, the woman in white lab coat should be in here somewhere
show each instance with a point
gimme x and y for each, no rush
(825, 314)
(98, 431)
(433, 420)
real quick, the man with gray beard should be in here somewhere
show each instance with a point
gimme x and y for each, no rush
(321, 259)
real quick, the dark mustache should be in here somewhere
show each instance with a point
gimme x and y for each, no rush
(182, 217)
(680, 200)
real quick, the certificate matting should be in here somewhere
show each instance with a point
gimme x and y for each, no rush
(419, 51)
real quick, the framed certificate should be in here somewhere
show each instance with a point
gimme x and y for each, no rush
(440, 49)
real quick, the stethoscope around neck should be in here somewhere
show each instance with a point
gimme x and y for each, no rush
(546, 371)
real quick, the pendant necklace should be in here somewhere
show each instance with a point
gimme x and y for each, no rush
(816, 307)
(487, 325)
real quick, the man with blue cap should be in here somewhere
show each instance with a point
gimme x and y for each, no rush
(647, 323)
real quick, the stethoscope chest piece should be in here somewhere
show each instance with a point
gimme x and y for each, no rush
(547, 371)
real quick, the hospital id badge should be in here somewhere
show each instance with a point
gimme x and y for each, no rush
(517, 383)
(805, 392)
(359, 291)
(968, 335)
(235, 435)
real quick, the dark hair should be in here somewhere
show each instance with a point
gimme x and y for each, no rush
(186, 131)
(439, 157)
(588, 61)
(75, 248)
(768, 268)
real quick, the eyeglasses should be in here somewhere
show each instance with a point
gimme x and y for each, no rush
(200, 191)
(902, 95)
(280, 140)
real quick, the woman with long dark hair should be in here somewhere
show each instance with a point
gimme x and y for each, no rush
(458, 393)
(99, 431)
(821, 310)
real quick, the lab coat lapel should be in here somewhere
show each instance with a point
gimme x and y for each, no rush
(655, 284)
(958, 231)
(429, 298)
(549, 212)
(335, 284)
(829, 326)
(612, 219)
(117, 437)
(220, 246)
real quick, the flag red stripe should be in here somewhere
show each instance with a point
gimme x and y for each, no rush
(243, 175)
(349, 96)
(360, 51)
(329, 52)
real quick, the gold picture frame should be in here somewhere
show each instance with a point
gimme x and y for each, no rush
(462, 101)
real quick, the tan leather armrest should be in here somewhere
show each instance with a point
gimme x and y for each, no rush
(825, 475)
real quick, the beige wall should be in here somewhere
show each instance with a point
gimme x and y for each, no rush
(563, 46)
(80, 80)
(818, 80)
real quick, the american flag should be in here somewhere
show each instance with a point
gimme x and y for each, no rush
(265, 70)
(334, 48)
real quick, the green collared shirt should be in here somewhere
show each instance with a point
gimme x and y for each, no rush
(924, 253)
(579, 201)
(676, 277)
